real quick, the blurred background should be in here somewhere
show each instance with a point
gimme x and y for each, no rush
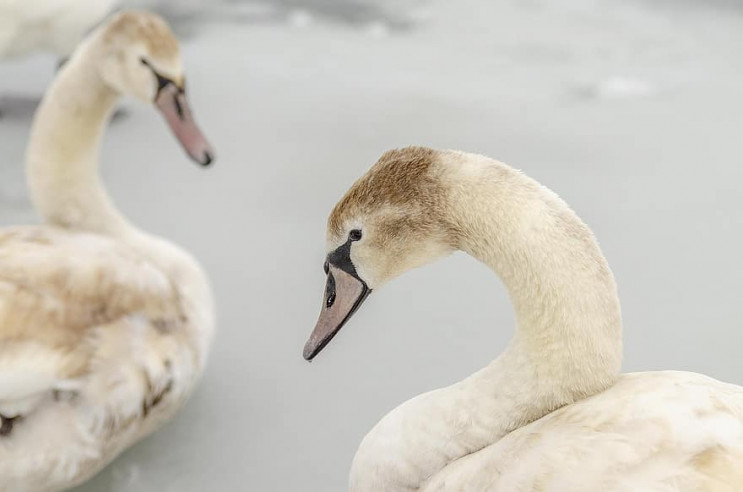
(631, 110)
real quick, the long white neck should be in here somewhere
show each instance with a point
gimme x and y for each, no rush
(568, 338)
(63, 176)
(64, 147)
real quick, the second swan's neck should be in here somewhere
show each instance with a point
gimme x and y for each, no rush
(568, 338)
(64, 180)
(63, 151)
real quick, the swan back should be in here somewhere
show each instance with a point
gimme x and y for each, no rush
(43, 25)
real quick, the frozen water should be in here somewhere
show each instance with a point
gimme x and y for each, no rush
(298, 114)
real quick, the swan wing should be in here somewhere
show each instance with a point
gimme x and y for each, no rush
(70, 305)
(657, 431)
(58, 25)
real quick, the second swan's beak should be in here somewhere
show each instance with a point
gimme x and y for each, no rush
(344, 293)
(172, 103)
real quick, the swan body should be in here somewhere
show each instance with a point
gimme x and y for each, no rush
(552, 412)
(653, 431)
(104, 329)
(48, 25)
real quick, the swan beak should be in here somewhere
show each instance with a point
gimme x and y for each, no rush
(172, 103)
(344, 293)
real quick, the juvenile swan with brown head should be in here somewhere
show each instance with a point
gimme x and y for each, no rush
(104, 329)
(552, 412)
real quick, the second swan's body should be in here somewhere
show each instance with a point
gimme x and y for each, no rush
(104, 329)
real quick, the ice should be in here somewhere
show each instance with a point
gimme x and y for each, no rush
(631, 111)
(300, 18)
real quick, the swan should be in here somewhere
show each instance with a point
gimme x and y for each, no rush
(104, 329)
(48, 25)
(552, 412)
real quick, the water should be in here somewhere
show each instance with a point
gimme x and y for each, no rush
(630, 111)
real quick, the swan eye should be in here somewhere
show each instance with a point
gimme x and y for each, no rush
(354, 235)
(326, 267)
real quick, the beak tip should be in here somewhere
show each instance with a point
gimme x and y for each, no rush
(348, 292)
(207, 159)
(308, 355)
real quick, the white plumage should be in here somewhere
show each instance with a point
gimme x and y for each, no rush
(48, 25)
(104, 329)
(552, 412)
(654, 431)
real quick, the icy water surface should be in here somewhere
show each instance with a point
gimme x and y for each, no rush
(631, 111)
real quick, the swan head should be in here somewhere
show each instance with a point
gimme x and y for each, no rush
(139, 56)
(390, 221)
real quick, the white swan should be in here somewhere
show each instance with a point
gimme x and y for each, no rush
(48, 25)
(103, 329)
(528, 421)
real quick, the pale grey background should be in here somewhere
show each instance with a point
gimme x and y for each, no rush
(631, 110)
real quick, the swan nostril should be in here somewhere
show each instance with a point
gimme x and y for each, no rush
(330, 291)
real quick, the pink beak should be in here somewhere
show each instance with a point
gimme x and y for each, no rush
(344, 293)
(172, 103)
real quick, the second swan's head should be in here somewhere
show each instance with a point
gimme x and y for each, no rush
(391, 220)
(138, 55)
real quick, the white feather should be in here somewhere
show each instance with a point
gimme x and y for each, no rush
(48, 25)
(104, 330)
(552, 413)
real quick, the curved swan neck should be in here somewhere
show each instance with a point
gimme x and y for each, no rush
(564, 295)
(568, 338)
(63, 152)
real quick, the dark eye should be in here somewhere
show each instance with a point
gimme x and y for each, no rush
(144, 62)
(354, 235)
(326, 267)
